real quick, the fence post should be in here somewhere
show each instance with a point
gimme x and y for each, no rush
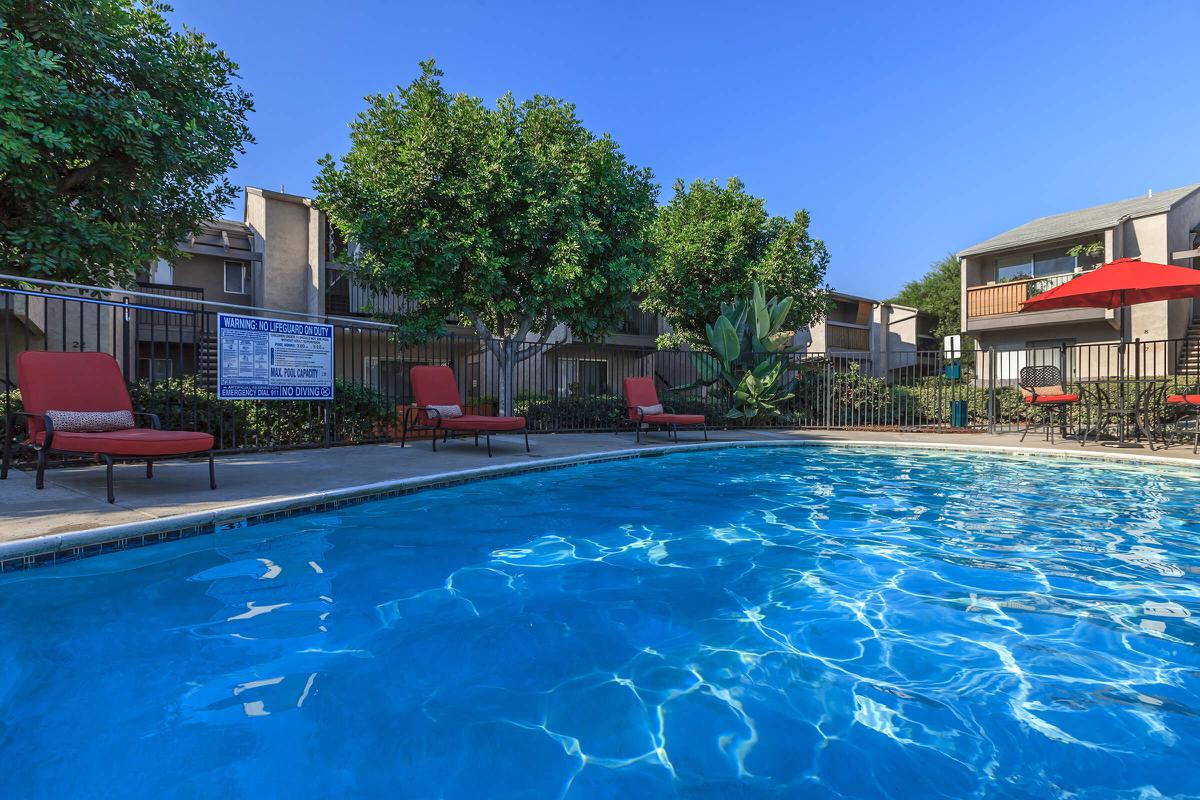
(124, 337)
(991, 379)
(940, 366)
(329, 421)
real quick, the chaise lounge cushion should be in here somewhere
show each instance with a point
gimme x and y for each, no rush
(70, 382)
(674, 419)
(436, 386)
(475, 422)
(131, 442)
(1053, 398)
(1194, 399)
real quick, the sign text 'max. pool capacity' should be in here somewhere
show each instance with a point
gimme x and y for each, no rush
(273, 359)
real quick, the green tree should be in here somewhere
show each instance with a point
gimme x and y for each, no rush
(115, 135)
(937, 293)
(711, 244)
(516, 218)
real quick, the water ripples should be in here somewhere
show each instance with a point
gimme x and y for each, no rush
(740, 623)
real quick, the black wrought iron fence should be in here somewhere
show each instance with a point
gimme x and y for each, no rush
(166, 345)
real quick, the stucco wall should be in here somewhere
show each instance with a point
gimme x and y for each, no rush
(291, 265)
(208, 273)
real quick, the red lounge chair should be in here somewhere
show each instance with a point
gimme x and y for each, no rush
(640, 393)
(436, 386)
(91, 382)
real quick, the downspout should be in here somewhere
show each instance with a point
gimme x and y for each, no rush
(1124, 313)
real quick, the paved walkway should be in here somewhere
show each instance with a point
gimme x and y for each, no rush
(74, 499)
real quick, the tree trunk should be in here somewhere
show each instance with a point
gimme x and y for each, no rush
(507, 362)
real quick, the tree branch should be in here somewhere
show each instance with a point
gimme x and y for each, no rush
(76, 177)
(485, 334)
(535, 348)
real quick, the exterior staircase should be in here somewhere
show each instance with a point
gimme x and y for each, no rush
(1189, 354)
(206, 368)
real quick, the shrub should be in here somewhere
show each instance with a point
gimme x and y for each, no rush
(713, 405)
(544, 413)
(359, 414)
(181, 403)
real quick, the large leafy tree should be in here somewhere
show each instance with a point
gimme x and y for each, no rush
(713, 242)
(115, 134)
(516, 218)
(937, 293)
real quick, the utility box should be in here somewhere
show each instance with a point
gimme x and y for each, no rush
(958, 413)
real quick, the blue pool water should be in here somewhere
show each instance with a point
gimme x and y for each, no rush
(782, 622)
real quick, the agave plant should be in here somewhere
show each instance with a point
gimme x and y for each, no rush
(749, 329)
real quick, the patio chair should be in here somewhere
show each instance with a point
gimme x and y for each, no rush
(1190, 401)
(642, 408)
(438, 408)
(1042, 389)
(1102, 408)
(86, 394)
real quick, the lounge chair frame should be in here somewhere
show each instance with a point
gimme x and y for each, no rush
(411, 419)
(46, 449)
(672, 429)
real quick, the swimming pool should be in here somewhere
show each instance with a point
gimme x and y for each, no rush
(768, 622)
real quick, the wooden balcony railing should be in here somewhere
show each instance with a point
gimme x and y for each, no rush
(1008, 297)
(846, 337)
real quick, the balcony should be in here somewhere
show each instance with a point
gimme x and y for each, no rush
(639, 323)
(177, 298)
(847, 336)
(346, 297)
(1010, 296)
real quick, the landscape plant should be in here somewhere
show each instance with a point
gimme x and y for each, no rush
(117, 134)
(748, 348)
(711, 242)
(514, 218)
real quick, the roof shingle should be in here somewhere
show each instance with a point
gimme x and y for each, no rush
(1077, 223)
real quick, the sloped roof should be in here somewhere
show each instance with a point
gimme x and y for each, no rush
(1077, 223)
(222, 237)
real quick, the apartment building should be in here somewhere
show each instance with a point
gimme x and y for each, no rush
(882, 336)
(285, 256)
(1001, 273)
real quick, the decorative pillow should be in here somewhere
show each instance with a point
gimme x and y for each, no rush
(89, 421)
(655, 409)
(1042, 391)
(447, 412)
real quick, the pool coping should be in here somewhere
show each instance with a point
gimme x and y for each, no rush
(56, 547)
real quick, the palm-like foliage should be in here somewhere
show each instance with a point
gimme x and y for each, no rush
(748, 348)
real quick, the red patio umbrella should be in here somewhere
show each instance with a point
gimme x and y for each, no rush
(1119, 284)
(1124, 282)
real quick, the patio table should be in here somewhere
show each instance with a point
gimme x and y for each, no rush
(1130, 408)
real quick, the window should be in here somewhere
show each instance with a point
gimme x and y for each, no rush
(1060, 353)
(156, 369)
(583, 376)
(391, 376)
(237, 278)
(1054, 262)
(1039, 265)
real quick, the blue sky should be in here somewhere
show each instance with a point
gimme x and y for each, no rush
(907, 130)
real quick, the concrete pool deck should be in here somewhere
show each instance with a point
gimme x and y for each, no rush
(72, 510)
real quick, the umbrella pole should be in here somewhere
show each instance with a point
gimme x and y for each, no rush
(1122, 441)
